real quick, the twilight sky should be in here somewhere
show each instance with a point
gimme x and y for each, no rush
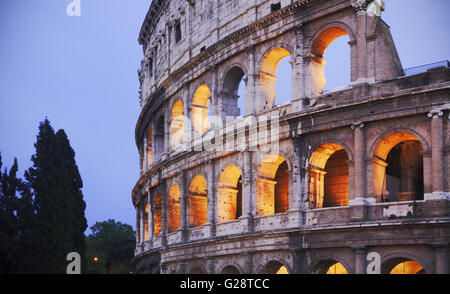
(81, 73)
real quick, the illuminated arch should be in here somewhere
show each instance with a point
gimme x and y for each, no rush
(174, 208)
(268, 76)
(273, 185)
(200, 109)
(398, 168)
(402, 265)
(198, 202)
(330, 267)
(320, 42)
(230, 194)
(177, 124)
(149, 148)
(157, 208)
(328, 181)
(146, 221)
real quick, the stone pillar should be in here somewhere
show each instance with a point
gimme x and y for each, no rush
(359, 199)
(151, 219)
(138, 226)
(437, 155)
(141, 162)
(360, 193)
(360, 260)
(250, 96)
(247, 207)
(145, 163)
(211, 213)
(296, 211)
(164, 211)
(183, 207)
(141, 224)
(360, 7)
(166, 149)
(440, 258)
(298, 72)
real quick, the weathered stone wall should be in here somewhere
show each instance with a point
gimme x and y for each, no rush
(281, 224)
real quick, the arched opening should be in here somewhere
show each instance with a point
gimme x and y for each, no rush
(197, 271)
(200, 109)
(159, 139)
(275, 75)
(233, 93)
(402, 266)
(273, 185)
(230, 270)
(328, 177)
(174, 208)
(336, 71)
(275, 268)
(283, 85)
(149, 149)
(198, 202)
(330, 267)
(398, 168)
(157, 206)
(177, 125)
(230, 194)
(146, 213)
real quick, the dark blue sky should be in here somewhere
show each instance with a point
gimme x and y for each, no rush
(81, 73)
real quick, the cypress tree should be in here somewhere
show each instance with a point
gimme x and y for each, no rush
(16, 222)
(8, 220)
(74, 195)
(56, 187)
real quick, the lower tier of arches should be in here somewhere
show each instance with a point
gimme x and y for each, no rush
(391, 249)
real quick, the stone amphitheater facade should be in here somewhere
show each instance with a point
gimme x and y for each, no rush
(338, 181)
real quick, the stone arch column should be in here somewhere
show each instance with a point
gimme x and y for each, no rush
(164, 212)
(183, 207)
(296, 210)
(437, 155)
(298, 71)
(211, 211)
(247, 193)
(250, 94)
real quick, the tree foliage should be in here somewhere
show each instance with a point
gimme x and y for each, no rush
(42, 219)
(113, 244)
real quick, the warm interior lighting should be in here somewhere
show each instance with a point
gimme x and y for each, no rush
(146, 214)
(282, 271)
(198, 201)
(337, 269)
(317, 64)
(177, 125)
(407, 268)
(230, 194)
(174, 208)
(273, 185)
(200, 109)
(268, 75)
(328, 176)
(157, 214)
(398, 168)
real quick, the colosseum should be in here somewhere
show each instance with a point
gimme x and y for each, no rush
(353, 180)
